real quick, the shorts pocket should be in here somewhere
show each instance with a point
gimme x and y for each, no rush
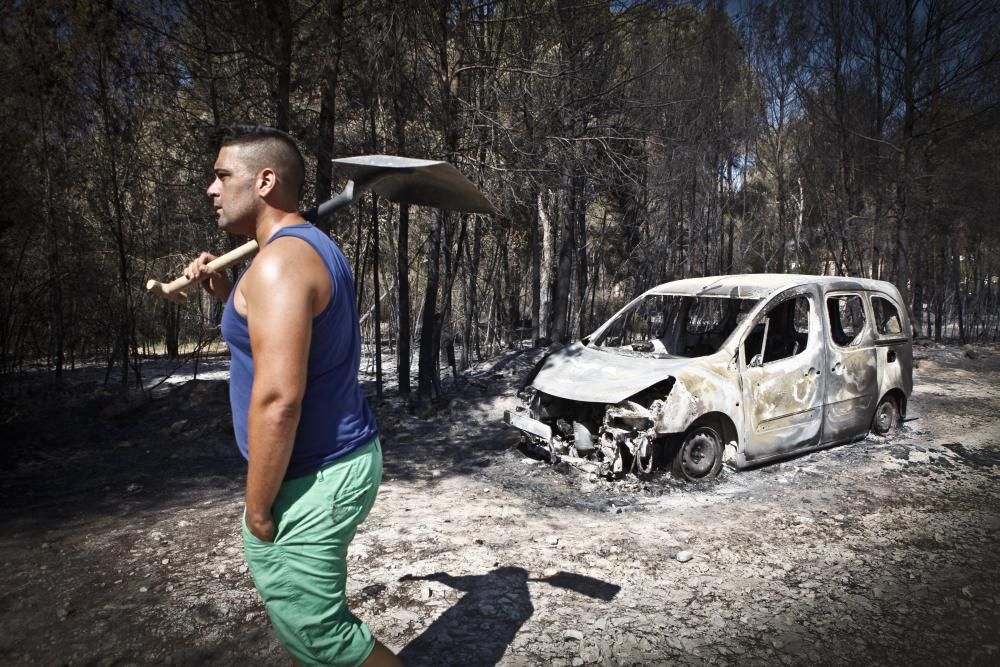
(249, 539)
(349, 507)
(347, 511)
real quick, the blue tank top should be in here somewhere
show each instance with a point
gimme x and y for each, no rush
(335, 417)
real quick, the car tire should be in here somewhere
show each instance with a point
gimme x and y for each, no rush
(699, 455)
(886, 419)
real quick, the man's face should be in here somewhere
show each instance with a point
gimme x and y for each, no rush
(234, 192)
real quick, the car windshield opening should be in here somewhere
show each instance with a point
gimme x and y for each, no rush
(675, 325)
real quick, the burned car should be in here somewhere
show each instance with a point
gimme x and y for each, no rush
(739, 369)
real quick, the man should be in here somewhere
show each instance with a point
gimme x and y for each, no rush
(301, 421)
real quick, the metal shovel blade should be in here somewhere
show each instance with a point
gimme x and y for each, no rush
(421, 182)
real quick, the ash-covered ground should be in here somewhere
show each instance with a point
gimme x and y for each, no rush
(120, 537)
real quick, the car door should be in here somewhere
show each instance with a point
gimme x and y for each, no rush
(781, 361)
(852, 372)
(893, 346)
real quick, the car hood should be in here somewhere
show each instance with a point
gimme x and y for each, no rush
(580, 373)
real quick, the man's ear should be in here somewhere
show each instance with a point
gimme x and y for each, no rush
(267, 181)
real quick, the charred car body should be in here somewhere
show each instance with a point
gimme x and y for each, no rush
(738, 369)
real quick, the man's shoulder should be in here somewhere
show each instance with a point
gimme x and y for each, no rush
(284, 258)
(300, 238)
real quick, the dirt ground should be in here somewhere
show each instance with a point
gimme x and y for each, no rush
(120, 543)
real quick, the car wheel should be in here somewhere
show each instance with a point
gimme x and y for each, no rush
(886, 416)
(699, 455)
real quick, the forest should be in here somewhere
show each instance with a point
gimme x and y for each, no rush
(623, 143)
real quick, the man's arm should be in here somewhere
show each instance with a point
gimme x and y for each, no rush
(280, 297)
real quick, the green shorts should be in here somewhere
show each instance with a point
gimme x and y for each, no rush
(302, 575)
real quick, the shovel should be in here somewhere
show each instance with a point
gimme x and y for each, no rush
(398, 179)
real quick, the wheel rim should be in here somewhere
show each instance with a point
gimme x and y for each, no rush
(699, 453)
(885, 420)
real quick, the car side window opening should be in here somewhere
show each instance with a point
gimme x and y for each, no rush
(782, 333)
(887, 321)
(847, 318)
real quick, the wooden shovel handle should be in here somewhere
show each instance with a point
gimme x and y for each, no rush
(233, 256)
(172, 290)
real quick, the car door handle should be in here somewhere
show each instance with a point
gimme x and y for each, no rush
(811, 371)
(836, 367)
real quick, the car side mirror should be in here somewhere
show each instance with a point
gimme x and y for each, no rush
(757, 361)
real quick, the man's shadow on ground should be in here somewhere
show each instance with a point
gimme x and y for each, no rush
(478, 629)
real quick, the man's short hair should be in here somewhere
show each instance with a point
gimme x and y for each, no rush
(268, 148)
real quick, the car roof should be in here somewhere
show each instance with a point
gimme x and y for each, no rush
(760, 285)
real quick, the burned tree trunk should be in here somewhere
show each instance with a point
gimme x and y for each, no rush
(428, 369)
(403, 294)
(326, 129)
(564, 275)
(545, 266)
